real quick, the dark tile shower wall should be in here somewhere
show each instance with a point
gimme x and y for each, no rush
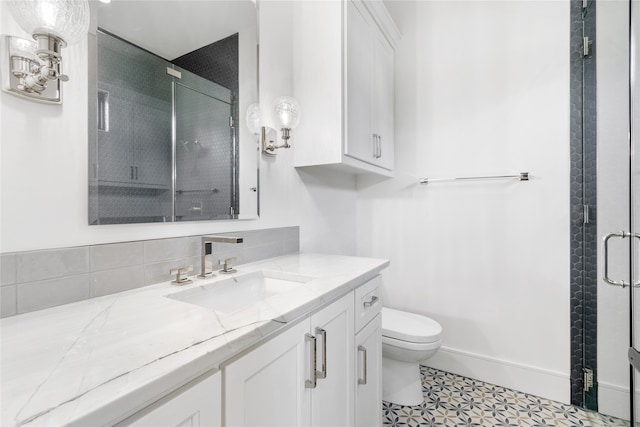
(217, 62)
(583, 274)
(36, 280)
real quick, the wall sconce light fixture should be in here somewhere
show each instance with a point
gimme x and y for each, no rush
(33, 69)
(287, 111)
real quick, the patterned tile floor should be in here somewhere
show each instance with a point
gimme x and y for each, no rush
(454, 401)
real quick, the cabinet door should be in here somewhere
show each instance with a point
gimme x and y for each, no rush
(382, 120)
(332, 399)
(359, 138)
(198, 404)
(266, 387)
(369, 374)
(115, 143)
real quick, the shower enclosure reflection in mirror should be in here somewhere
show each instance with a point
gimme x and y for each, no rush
(166, 137)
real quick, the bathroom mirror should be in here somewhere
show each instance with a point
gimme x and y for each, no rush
(169, 85)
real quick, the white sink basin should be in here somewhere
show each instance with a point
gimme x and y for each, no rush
(241, 291)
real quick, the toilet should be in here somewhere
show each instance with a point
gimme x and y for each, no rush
(407, 339)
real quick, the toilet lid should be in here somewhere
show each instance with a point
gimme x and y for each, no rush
(409, 326)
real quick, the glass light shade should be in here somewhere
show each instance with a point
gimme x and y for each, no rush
(287, 110)
(67, 19)
(253, 118)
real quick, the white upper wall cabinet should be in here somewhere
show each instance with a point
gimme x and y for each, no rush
(343, 53)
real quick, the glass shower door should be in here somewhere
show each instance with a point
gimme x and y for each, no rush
(621, 249)
(204, 154)
(634, 98)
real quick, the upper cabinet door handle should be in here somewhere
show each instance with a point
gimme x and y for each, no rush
(375, 146)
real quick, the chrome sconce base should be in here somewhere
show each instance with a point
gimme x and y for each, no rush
(269, 138)
(32, 69)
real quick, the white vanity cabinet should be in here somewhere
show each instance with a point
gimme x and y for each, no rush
(368, 344)
(274, 384)
(197, 404)
(344, 80)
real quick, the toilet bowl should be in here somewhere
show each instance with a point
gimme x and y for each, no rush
(407, 339)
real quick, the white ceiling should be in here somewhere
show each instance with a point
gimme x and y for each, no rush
(171, 28)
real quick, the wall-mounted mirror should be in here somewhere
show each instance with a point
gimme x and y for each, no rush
(170, 82)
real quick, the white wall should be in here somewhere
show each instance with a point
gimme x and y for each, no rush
(613, 204)
(482, 87)
(44, 154)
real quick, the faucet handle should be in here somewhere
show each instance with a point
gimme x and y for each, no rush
(226, 265)
(178, 272)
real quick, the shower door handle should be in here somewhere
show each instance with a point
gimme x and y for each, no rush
(605, 258)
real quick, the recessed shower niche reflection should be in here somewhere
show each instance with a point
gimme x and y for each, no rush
(167, 144)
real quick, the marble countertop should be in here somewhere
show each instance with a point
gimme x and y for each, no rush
(98, 361)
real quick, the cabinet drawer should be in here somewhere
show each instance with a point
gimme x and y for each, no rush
(368, 302)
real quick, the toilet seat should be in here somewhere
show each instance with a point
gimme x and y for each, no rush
(411, 346)
(409, 327)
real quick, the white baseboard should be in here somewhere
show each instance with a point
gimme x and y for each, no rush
(613, 400)
(529, 379)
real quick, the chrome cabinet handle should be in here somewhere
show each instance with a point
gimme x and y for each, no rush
(323, 373)
(136, 173)
(374, 299)
(362, 349)
(605, 258)
(375, 145)
(379, 146)
(312, 370)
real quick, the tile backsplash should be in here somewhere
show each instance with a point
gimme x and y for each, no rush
(35, 280)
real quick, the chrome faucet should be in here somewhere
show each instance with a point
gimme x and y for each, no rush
(207, 249)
